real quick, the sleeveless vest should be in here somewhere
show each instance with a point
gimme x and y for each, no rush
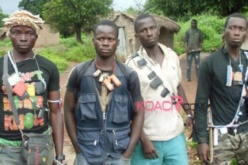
(101, 135)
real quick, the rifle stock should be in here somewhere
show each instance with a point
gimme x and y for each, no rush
(210, 128)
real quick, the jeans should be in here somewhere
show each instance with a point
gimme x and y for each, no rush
(11, 156)
(190, 57)
(170, 152)
(81, 160)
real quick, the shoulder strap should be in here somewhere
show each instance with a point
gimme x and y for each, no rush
(81, 69)
(8, 89)
(124, 69)
(135, 54)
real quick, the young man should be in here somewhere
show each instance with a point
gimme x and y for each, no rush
(222, 79)
(30, 98)
(99, 104)
(193, 45)
(162, 139)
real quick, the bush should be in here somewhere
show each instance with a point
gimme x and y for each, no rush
(212, 28)
(69, 50)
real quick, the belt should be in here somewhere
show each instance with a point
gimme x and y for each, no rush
(10, 149)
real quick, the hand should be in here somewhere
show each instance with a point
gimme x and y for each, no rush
(126, 155)
(246, 102)
(189, 127)
(149, 150)
(203, 152)
(187, 51)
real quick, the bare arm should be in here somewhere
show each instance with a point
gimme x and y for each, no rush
(137, 126)
(57, 123)
(189, 120)
(70, 119)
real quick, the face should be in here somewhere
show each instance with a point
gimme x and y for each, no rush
(105, 41)
(235, 32)
(23, 38)
(147, 32)
(193, 24)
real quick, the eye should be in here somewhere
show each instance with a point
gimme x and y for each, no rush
(111, 39)
(231, 27)
(31, 33)
(16, 33)
(242, 29)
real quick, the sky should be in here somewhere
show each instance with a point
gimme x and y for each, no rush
(10, 6)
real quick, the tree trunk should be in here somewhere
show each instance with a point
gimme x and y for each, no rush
(78, 34)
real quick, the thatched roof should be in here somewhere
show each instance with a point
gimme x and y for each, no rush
(3, 32)
(162, 21)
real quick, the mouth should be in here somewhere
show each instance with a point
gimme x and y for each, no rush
(151, 40)
(236, 40)
(23, 46)
(105, 51)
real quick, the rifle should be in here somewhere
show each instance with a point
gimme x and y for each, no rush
(210, 127)
(57, 162)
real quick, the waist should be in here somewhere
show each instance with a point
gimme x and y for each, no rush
(10, 149)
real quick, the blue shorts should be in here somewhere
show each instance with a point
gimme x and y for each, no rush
(80, 160)
(170, 152)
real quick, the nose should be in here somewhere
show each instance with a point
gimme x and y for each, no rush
(105, 42)
(23, 37)
(237, 31)
(149, 32)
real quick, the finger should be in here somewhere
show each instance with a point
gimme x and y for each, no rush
(156, 154)
(190, 135)
(205, 157)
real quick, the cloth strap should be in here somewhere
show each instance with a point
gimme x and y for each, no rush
(9, 93)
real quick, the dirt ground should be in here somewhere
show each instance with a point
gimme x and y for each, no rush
(189, 87)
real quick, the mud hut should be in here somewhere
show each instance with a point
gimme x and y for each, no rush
(128, 42)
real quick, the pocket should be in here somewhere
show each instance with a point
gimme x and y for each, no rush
(90, 148)
(86, 105)
(40, 150)
(120, 111)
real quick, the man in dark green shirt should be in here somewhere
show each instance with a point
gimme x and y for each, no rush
(221, 79)
(193, 45)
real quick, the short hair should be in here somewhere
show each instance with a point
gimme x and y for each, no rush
(140, 17)
(194, 20)
(106, 23)
(236, 15)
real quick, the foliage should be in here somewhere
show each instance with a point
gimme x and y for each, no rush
(34, 6)
(212, 28)
(2, 15)
(73, 15)
(181, 8)
(69, 51)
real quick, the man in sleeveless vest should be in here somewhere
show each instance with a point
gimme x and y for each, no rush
(223, 81)
(31, 91)
(102, 114)
(162, 139)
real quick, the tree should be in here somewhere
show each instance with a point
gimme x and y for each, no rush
(34, 6)
(181, 8)
(2, 15)
(75, 14)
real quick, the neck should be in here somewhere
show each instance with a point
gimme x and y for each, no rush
(152, 52)
(19, 56)
(234, 53)
(104, 63)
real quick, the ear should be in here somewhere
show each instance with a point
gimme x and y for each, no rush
(118, 42)
(136, 35)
